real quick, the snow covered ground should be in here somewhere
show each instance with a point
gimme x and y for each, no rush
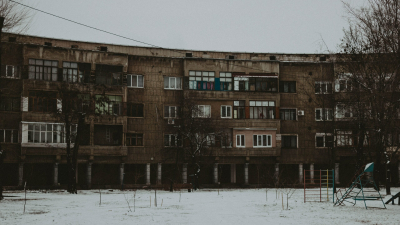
(237, 206)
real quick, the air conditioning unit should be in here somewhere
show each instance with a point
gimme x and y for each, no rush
(300, 112)
(171, 121)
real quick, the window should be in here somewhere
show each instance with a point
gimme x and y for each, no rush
(170, 111)
(172, 140)
(344, 138)
(287, 114)
(172, 83)
(42, 101)
(135, 110)
(225, 81)
(43, 69)
(202, 111)
(226, 111)
(70, 72)
(240, 141)
(323, 114)
(343, 83)
(287, 86)
(226, 140)
(262, 140)
(343, 111)
(76, 72)
(10, 104)
(49, 133)
(323, 140)
(255, 84)
(8, 136)
(108, 74)
(201, 80)
(239, 109)
(262, 110)
(289, 141)
(9, 71)
(134, 139)
(108, 104)
(135, 81)
(210, 140)
(323, 87)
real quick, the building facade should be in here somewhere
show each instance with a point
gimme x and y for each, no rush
(276, 109)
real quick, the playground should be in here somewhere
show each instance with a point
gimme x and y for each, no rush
(205, 206)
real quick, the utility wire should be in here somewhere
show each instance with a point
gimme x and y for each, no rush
(121, 36)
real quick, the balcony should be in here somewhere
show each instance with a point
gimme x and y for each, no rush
(246, 152)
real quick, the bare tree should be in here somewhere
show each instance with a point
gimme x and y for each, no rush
(13, 17)
(16, 17)
(198, 132)
(369, 62)
(76, 106)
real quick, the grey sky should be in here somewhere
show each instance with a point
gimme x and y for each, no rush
(288, 26)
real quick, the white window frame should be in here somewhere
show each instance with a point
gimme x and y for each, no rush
(342, 110)
(13, 71)
(240, 145)
(260, 138)
(174, 79)
(60, 133)
(344, 138)
(201, 110)
(170, 108)
(326, 83)
(135, 76)
(226, 111)
(326, 114)
(323, 135)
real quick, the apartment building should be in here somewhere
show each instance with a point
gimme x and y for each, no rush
(277, 111)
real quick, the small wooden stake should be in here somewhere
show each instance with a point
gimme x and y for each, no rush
(25, 196)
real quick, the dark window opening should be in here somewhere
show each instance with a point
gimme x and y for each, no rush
(189, 54)
(135, 110)
(12, 39)
(108, 74)
(134, 139)
(288, 114)
(287, 86)
(103, 48)
(272, 57)
(10, 104)
(48, 44)
(42, 101)
(107, 135)
(74, 46)
(289, 141)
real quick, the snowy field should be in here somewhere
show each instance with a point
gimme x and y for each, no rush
(229, 206)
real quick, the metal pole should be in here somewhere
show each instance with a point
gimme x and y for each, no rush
(320, 186)
(327, 185)
(304, 177)
(333, 186)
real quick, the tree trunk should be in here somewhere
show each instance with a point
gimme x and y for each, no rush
(79, 133)
(387, 169)
(360, 148)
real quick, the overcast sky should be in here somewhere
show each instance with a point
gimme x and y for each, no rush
(286, 26)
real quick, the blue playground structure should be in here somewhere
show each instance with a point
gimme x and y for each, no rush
(356, 191)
